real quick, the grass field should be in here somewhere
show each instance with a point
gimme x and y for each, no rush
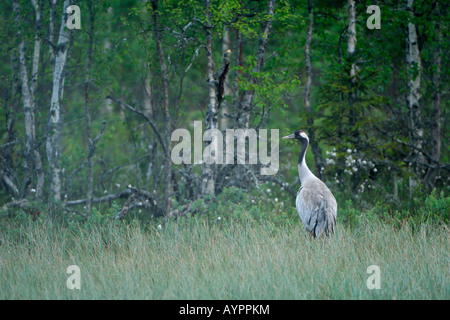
(223, 260)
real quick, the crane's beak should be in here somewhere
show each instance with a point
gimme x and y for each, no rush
(291, 136)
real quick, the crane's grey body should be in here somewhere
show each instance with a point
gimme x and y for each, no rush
(315, 203)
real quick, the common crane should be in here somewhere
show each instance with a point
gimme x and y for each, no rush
(315, 203)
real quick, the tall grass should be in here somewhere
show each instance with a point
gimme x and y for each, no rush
(196, 259)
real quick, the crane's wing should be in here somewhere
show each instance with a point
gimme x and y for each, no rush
(317, 209)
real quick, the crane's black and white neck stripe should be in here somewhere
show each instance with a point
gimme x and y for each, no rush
(303, 170)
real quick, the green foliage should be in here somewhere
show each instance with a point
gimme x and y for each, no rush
(233, 205)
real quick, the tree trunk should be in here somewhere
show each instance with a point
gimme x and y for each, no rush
(54, 129)
(351, 30)
(168, 129)
(316, 150)
(224, 120)
(414, 66)
(433, 171)
(208, 174)
(51, 30)
(351, 48)
(32, 157)
(90, 179)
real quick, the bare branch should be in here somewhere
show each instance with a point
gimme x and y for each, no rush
(142, 114)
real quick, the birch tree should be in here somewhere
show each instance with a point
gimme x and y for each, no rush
(33, 162)
(165, 82)
(307, 93)
(414, 70)
(224, 120)
(54, 127)
(436, 132)
(90, 178)
(208, 175)
(351, 48)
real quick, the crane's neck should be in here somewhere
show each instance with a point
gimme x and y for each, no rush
(303, 171)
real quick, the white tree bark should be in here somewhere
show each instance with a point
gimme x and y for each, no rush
(51, 30)
(414, 68)
(351, 30)
(208, 174)
(54, 130)
(224, 120)
(33, 160)
(351, 37)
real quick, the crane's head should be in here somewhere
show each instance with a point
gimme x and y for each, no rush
(298, 135)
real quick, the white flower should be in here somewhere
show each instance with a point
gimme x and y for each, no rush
(118, 185)
(276, 199)
(219, 218)
(33, 190)
(268, 190)
(105, 192)
(129, 186)
(364, 162)
(355, 169)
(159, 227)
(140, 210)
(375, 170)
(349, 150)
(253, 201)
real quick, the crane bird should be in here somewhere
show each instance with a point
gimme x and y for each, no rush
(315, 203)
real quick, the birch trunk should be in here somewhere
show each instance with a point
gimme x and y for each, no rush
(32, 157)
(351, 31)
(317, 152)
(224, 120)
(351, 48)
(38, 167)
(90, 179)
(54, 129)
(208, 174)
(414, 66)
(51, 30)
(165, 82)
(433, 172)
